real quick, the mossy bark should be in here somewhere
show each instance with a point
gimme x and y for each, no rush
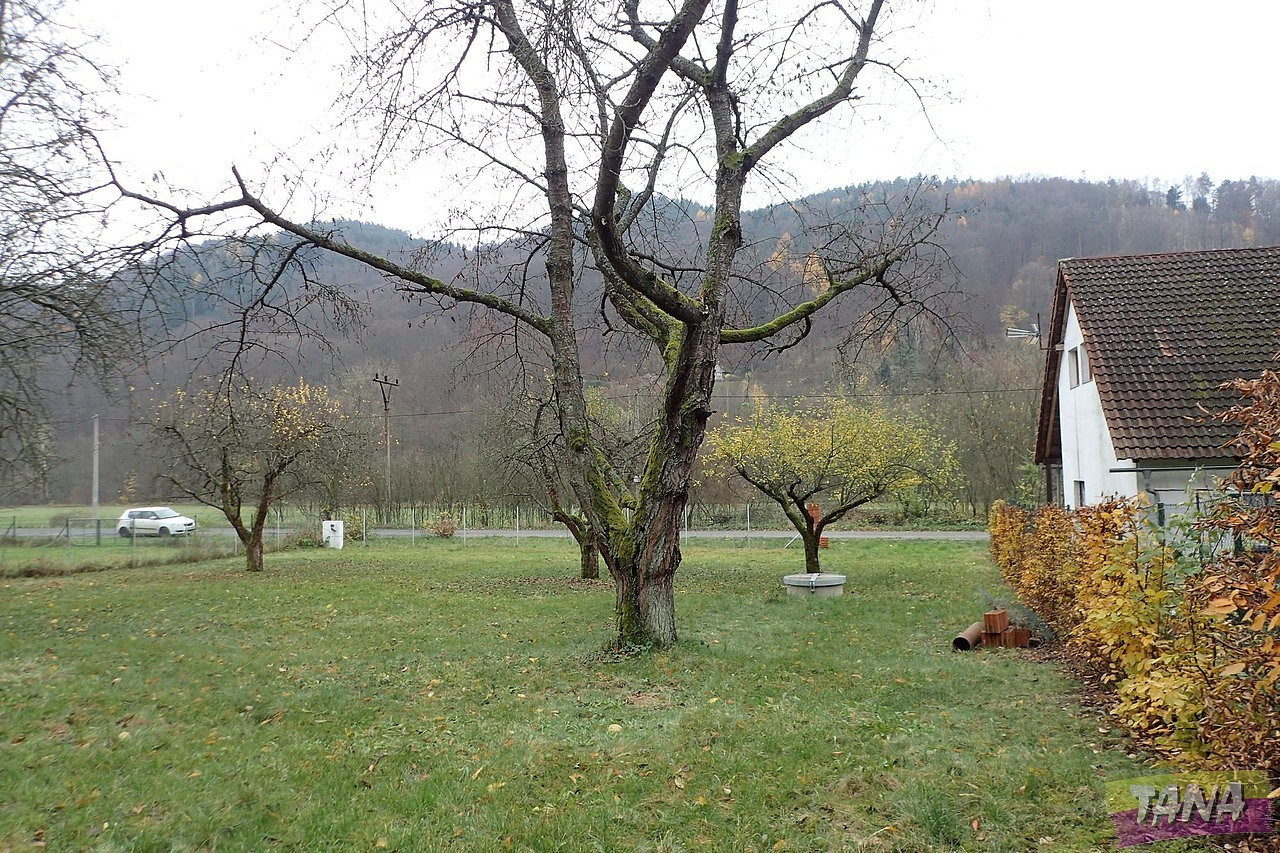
(647, 550)
(253, 554)
(589, 551)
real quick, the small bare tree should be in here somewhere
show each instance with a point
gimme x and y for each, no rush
(242, 448)
(591, 118)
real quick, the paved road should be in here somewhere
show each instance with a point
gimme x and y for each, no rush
(390, 533)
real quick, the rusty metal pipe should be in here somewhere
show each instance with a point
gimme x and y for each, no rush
(968, 639)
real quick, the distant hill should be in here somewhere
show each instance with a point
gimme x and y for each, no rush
(1004, 238)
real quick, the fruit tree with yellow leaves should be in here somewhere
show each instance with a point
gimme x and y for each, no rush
(837, 455)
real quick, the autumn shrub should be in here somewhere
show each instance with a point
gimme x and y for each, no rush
(1240, 591)
(1048, 568)
(1119, 587)
(1187, 637)
(353, 527)
(1109, 581)
(1136, 626)
(444, 526)
(1007, 524)
(1241, 651)
(1034, 553)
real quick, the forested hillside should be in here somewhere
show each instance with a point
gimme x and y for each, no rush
(1003, 239)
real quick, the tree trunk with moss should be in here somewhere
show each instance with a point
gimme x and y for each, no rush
(590, 554)
(253, 553)
(250, 535)
(585, 537)
(811, 543)
(808, 528)
(646, 551)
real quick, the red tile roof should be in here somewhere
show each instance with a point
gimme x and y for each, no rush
(1163, 333)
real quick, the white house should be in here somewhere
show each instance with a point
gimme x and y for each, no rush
(1139, 348)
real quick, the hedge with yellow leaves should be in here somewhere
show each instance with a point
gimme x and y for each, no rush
(1241, 591)
(1164, 629)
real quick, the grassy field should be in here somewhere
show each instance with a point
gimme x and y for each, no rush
(444, 697)
(56, 556)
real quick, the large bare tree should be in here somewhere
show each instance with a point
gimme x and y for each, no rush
(58, 316)
(590, 119)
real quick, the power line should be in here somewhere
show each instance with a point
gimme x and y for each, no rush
(868, 394)
(720, 394)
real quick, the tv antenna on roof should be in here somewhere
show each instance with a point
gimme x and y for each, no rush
(1030, 333)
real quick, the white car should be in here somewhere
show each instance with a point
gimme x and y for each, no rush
(154, 521)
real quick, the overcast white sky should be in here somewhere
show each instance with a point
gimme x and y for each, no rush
(1090, 88)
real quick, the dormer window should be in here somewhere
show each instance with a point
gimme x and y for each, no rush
(1078, 366)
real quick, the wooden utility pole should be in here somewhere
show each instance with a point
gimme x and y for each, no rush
(386, 383)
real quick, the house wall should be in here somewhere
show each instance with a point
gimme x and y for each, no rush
(1088, 455)
(1176, 489)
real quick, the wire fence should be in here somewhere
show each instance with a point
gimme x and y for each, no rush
(485, 516)
(760, 515)
(43, 540)
(88, 544)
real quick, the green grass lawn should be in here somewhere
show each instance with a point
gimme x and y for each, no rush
(455, 697)
(59, 557)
